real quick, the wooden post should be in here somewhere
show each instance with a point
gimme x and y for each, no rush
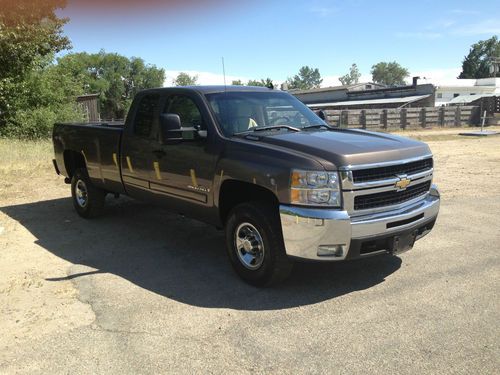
(483, 120)
(403, 118)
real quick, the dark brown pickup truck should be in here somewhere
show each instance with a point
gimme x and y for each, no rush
(284, 184)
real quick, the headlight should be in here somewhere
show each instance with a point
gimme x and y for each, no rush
(315, 188)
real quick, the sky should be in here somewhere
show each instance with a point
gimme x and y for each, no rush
(260, 39)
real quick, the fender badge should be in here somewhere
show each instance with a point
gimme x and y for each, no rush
(199, 188)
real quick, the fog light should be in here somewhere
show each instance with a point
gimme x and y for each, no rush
(330, 250)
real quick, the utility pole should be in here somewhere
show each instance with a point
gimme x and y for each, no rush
(494, 66)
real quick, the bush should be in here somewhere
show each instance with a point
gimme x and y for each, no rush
(38, 122)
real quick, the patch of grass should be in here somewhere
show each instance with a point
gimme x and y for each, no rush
(19, 155)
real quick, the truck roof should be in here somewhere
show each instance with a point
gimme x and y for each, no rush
(212, 89)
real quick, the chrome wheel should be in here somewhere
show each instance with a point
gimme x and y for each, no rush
(249, 246)
(81, 193)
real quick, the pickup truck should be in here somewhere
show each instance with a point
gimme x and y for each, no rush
(283, 184)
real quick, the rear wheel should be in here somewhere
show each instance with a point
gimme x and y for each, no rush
(255, 244)
(88, 200)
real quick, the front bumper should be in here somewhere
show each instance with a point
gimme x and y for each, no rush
(333, 235)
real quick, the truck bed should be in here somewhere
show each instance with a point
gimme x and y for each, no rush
(98, 143)
(112, 124)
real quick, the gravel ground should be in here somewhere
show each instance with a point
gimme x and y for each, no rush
(140, 290)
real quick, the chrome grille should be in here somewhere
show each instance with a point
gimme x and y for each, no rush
(389, 198)
(381, 173)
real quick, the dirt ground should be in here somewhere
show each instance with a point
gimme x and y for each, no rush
(141, 290)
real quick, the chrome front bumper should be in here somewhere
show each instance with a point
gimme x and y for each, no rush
(326, 234)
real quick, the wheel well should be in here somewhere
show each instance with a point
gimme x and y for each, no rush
(72, 161)
(233, 193)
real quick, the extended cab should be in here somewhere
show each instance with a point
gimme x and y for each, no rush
(284, 184)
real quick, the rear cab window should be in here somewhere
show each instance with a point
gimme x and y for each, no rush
(147, 113)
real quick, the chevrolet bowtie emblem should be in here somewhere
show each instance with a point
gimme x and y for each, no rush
(403, 183)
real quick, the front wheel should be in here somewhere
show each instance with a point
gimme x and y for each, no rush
(255, 244)
(88, 200)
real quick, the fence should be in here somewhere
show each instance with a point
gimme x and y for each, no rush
(490, 104)
(404, 118)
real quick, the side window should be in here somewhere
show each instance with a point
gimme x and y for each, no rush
(285, 115)
(187, 110)
(145, 115)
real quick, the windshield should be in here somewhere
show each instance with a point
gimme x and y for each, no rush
(239, 112)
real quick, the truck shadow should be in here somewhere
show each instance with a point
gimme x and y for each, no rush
(179, 258)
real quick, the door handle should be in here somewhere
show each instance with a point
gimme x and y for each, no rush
(159, 153)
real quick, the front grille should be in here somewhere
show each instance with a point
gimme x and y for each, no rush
(382, 173)
(389, 198)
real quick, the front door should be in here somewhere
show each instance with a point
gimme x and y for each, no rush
(138, 146)
(183, 171)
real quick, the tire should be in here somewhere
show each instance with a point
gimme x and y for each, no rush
(88, 200)
(255, 244)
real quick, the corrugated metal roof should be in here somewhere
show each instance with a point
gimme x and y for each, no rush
(405, 99)
(468, 98)
(334, 88)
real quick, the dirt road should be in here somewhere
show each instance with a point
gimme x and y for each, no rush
(140, 290)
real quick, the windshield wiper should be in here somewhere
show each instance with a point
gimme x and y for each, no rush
(317, 126)
(264, 128)
(273, 127)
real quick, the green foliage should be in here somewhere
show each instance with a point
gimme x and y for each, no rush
(30, 34)
(352, 77)
(476, 64)
(45, 96)
(254, 82)
(33, 95)
(389, 73)
(184, 79)
(114, 77)
(268, 82)
(307, 79)
(29, 31)
(237, 83)
(35, 123)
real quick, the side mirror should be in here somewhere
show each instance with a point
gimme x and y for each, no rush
(170, 127)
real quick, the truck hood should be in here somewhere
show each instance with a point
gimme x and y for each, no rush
(342, 147)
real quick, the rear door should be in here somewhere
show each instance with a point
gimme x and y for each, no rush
(138, 145)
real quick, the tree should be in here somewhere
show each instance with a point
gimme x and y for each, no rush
(46, 96)
(307, 79)
(114, 77)
(389, 73)
(30, 34)
(351, 77)
(254, 82)
(237, 82)
(268, 82)
(184, 79)
(29, 31)
(476, 64)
